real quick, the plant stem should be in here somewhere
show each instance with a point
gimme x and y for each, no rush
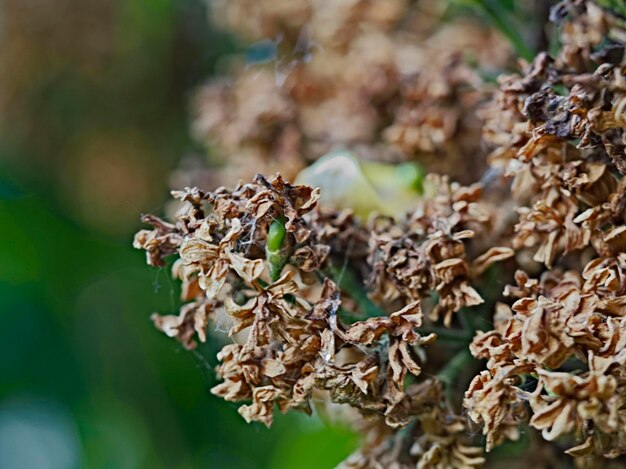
(347, 280)
(500, 19)
(615, 6)
(453, 368)
(450, 335)
(465, 321)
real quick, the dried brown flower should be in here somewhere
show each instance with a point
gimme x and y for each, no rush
(564, 322)
(427, 253)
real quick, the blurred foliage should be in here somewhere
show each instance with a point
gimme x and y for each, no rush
(93, 119)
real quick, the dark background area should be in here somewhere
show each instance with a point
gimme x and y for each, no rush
(93, 119)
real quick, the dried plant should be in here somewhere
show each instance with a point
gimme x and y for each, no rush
(384, 314)
(383, 78)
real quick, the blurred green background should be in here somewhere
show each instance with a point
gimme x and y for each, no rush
(93, 119)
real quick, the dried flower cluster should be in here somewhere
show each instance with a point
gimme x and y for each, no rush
(383, 315)
(378, 77)
(271, 260)
(426, 252)
(556, 356)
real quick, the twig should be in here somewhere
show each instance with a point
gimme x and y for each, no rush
(453, 369)
(347, 280)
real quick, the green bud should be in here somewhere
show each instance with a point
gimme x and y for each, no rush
(274, 252)
(276, 235)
